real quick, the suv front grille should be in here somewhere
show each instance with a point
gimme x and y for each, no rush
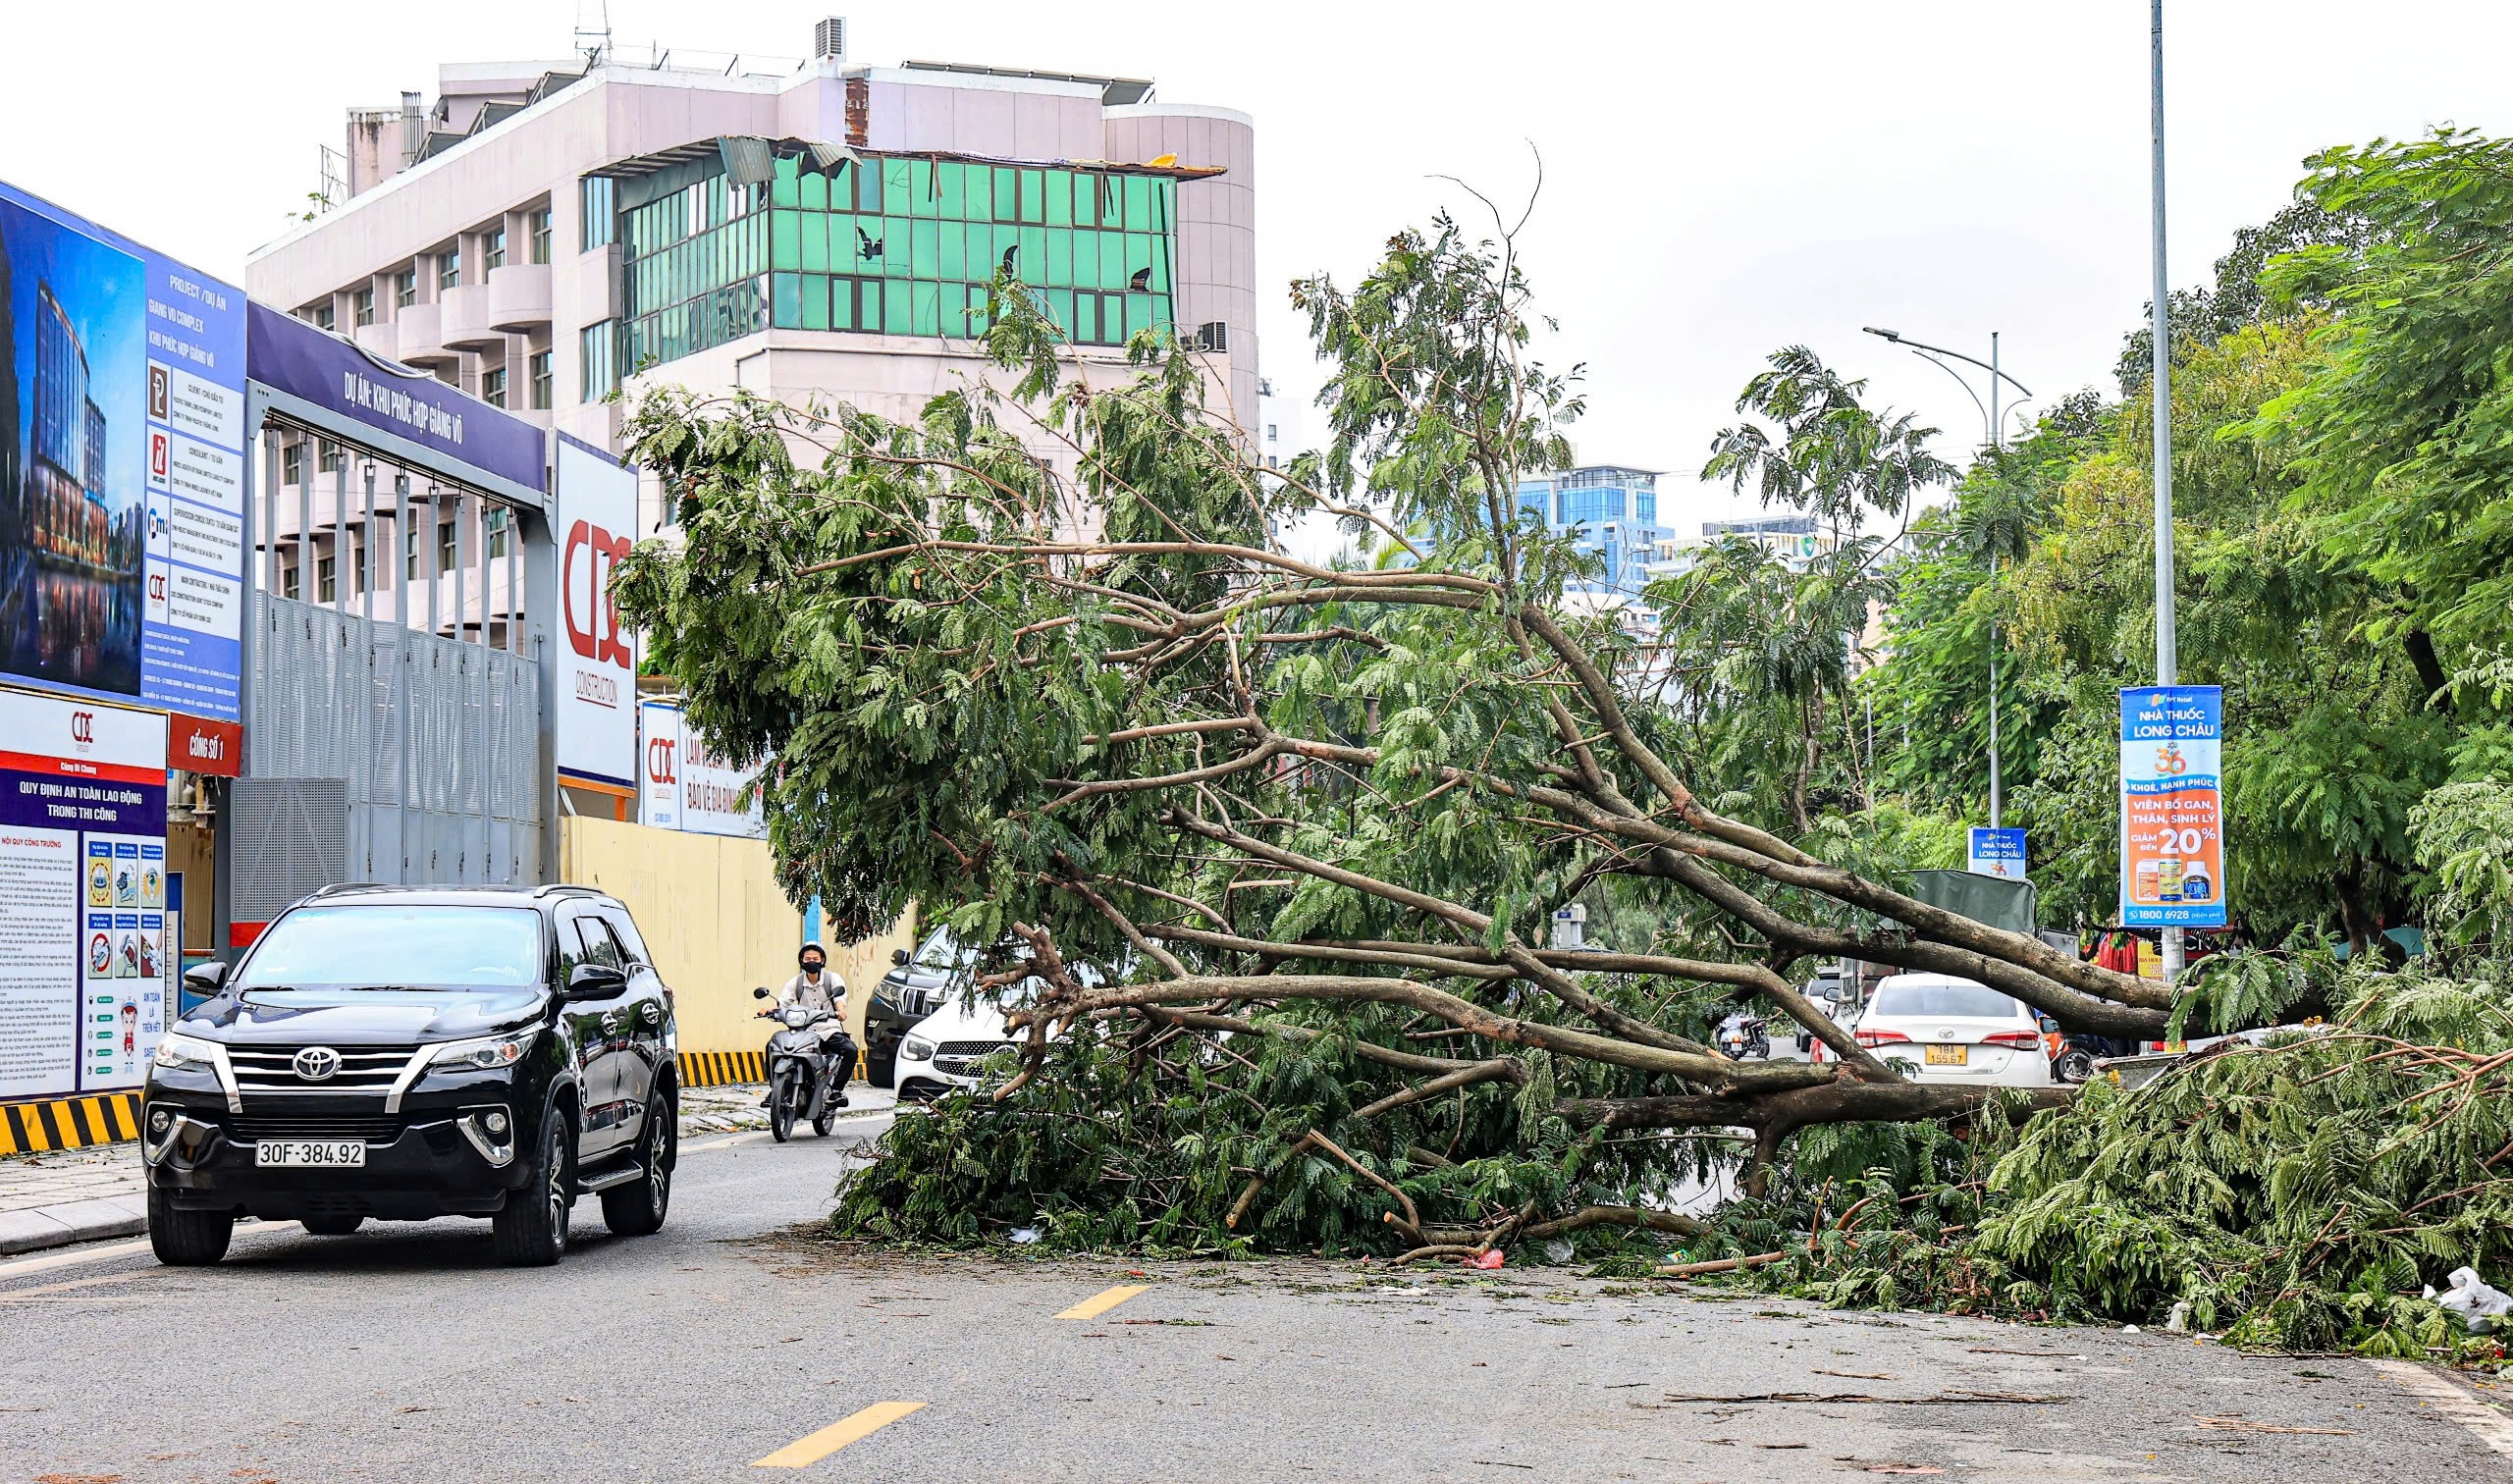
(263, 1068)
(250, 1129)
(961, 1058)
(970, 1048)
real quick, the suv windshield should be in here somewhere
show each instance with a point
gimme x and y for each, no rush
(419, 946)
(941, 953)
(1970, 1001)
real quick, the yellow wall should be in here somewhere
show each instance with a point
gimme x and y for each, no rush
(712, 915)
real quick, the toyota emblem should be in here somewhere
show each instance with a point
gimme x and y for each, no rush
(1944, 1032)
(316, 1063)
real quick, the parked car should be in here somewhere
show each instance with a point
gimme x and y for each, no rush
(408, 1054)
(1944, 1028)
(943, 1052)
(916, 986)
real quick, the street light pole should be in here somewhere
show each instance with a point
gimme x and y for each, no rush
(2167, 649)
(1997, 442)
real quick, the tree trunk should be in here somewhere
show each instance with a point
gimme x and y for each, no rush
(2354, 913)
(2430, 677)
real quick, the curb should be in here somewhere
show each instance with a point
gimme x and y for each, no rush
(35, 1227)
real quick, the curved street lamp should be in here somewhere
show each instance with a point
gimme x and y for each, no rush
(1997, 441)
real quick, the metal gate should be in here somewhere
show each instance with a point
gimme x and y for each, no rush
(379, 752)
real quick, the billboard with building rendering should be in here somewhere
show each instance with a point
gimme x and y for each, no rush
(121, 467)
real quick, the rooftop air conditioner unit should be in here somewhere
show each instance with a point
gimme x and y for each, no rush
(829, 39)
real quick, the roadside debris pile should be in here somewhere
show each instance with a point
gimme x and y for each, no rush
(2298, 1193)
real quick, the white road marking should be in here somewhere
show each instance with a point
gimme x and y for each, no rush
(2492, 1427)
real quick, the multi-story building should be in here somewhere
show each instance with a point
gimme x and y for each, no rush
(546, 232)
(1609, 510)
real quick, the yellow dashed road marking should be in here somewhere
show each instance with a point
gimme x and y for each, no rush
(1100, 1304)
(803, 1452)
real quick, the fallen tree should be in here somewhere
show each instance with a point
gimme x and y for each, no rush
(1267, 849)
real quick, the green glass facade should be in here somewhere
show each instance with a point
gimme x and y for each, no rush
(898, 245)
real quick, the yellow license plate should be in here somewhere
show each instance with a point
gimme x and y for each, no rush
(1949, 1056)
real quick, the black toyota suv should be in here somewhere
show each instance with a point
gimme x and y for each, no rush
(412, 1052)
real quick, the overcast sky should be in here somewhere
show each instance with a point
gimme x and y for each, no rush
(1720, 180)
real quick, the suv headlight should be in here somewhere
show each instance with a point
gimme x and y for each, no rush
(917, 1049)
(178, 1052)
(488, 1053)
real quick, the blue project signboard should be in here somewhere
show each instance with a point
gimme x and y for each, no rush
(121, 467)
(2172, 845)
(1996, 853)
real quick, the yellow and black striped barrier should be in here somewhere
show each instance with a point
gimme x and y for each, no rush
(71, 1123)
(68, 1122)
(718, 1069)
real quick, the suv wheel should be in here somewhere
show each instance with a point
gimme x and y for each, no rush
(637, 1208)
(531, 1229)
(187, 1239)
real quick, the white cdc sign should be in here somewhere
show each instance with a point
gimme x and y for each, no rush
(682, 785)
(596, 673)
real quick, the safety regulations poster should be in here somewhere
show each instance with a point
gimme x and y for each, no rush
(2172, 844)
(85, 963)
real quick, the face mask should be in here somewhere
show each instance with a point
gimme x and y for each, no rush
(811, 967)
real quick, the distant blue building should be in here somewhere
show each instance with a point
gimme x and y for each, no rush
(1610, 511)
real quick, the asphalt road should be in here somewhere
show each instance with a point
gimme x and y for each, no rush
(405, 1353)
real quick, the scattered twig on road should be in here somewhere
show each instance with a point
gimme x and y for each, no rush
(2245, 1424)
(1856, 1375)
(1941, 1398)
(1719, 1265)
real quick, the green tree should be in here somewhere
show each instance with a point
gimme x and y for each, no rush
(1177, 782)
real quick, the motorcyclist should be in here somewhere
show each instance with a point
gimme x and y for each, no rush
(818, 988)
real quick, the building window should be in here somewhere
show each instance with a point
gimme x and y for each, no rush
(542, 381)
(447, 552)
(449, 268)
(406, 288)
(329, 458)
(411, 546)
(599, 197)
(287, 578)
(323, 316)
(897, 247)
(599, 356)
(493, 386)
(291, 463)
(362, 305)
(492, 250)
(540, 226)
(326, 580)
(494, 521)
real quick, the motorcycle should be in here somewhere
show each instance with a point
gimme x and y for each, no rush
(1742, 1036)
(2073, 1053)
(805, 1083)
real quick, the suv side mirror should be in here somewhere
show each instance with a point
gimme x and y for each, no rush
(594, 980)
(759, 994)
(899, 956)
(205, 979)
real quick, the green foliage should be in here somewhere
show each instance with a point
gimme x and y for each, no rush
(2294, 1194)
(1130, 1140)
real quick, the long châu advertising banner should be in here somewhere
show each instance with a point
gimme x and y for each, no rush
(2172, 839)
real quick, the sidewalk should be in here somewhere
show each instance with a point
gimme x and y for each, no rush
(89, 1194)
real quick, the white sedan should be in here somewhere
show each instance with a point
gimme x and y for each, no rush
(1944, 1028)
